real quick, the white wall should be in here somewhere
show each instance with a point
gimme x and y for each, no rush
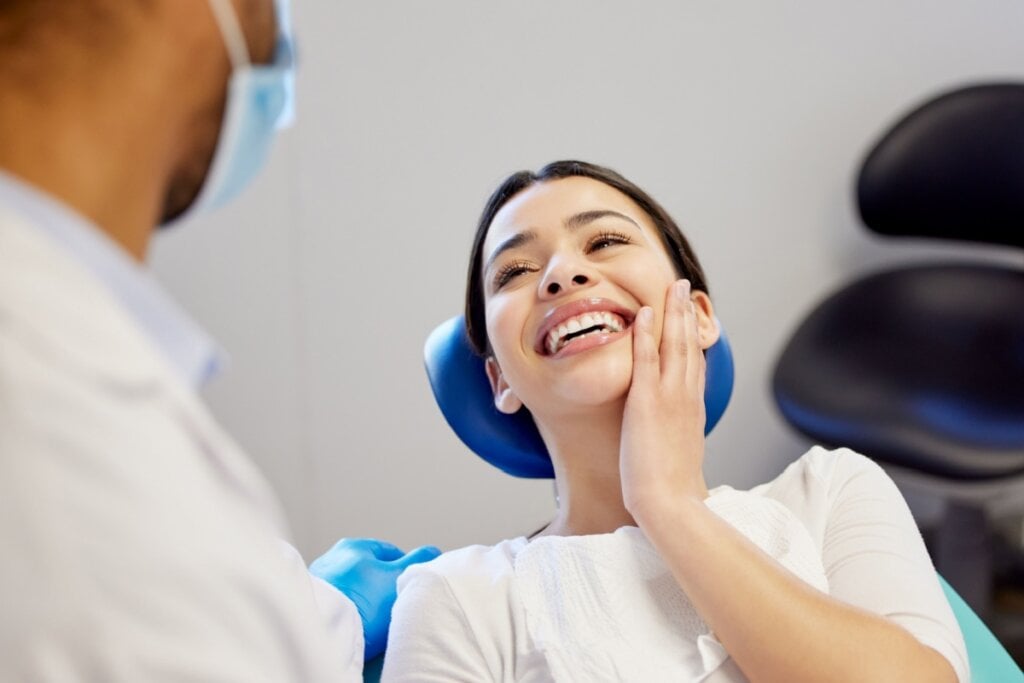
(746, 120)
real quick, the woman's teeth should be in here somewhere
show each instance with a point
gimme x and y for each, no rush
(582, 325)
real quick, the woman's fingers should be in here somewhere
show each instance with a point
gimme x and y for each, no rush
(702, 364)
(693, 351)
(646, 368)
(675, 343)
(676, 360)
(696, 366)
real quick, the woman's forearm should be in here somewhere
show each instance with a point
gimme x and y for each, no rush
(774, 625)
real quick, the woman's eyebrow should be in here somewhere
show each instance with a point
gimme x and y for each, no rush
(578, 220)
(516, 240)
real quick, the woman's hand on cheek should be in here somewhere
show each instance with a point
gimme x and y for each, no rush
(662, 451)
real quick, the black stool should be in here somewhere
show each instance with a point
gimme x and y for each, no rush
(922, 368)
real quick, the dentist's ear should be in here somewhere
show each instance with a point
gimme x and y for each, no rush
(504, 399)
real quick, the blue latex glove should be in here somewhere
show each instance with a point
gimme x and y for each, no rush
(366, 570)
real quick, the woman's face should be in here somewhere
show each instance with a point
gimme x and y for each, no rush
(567, 265)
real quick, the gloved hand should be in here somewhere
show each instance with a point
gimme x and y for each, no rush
(366, 570)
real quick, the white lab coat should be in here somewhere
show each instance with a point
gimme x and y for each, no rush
(139, 542)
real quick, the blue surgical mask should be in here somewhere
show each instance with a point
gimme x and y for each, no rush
(260, 100)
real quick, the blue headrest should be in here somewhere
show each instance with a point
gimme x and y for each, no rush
(511, 442)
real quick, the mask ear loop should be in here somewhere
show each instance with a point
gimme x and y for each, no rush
(231, 32)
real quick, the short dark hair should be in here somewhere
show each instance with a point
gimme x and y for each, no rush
(679, 250)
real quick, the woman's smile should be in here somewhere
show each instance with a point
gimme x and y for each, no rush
(582, 325)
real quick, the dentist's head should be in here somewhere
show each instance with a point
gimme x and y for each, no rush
(138, 112)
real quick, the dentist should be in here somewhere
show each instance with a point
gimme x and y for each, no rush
(140, 543)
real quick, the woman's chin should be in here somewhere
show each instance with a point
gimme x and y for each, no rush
(597, 386)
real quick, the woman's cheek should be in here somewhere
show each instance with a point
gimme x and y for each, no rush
(506, 320)
(500, 322)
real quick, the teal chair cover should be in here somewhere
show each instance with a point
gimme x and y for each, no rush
(990, 662)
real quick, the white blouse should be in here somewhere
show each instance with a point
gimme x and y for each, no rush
(606, 608)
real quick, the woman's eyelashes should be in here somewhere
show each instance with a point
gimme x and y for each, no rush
(510, 271)
(607, 239)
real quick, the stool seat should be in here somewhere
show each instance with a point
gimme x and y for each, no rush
(921, 367)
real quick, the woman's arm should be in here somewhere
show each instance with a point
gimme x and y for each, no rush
(775, 626)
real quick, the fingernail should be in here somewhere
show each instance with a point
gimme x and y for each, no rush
(683, 289)
(646, 316)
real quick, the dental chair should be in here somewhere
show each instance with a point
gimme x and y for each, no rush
(921, 367)
(512, 444)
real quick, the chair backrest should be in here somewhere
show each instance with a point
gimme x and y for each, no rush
(511, 442)
(953, 168)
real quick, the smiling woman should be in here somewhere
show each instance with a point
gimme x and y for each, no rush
(591, 311)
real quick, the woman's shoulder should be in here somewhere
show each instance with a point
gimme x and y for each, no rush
(822, 480)
(470, 569)
(821, 466)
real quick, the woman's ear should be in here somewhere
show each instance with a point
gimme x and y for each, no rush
(504, 399)
(707, 326)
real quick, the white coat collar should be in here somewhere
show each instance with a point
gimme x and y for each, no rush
(51, 303)
(64, 312)
(186, 347)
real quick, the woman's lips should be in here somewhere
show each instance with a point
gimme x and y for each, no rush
(576, 316)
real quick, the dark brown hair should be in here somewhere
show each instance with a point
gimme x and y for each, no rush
(678, 248)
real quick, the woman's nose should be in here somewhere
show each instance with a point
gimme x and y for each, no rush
(556, 287)
(560, 278)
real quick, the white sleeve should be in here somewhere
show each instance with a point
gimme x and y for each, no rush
(430, 640)
(875, 558)
(341, 618)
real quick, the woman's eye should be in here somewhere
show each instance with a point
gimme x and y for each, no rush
(509, 273)
(607, 239)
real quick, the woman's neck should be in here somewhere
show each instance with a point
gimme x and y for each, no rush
(585, 451)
